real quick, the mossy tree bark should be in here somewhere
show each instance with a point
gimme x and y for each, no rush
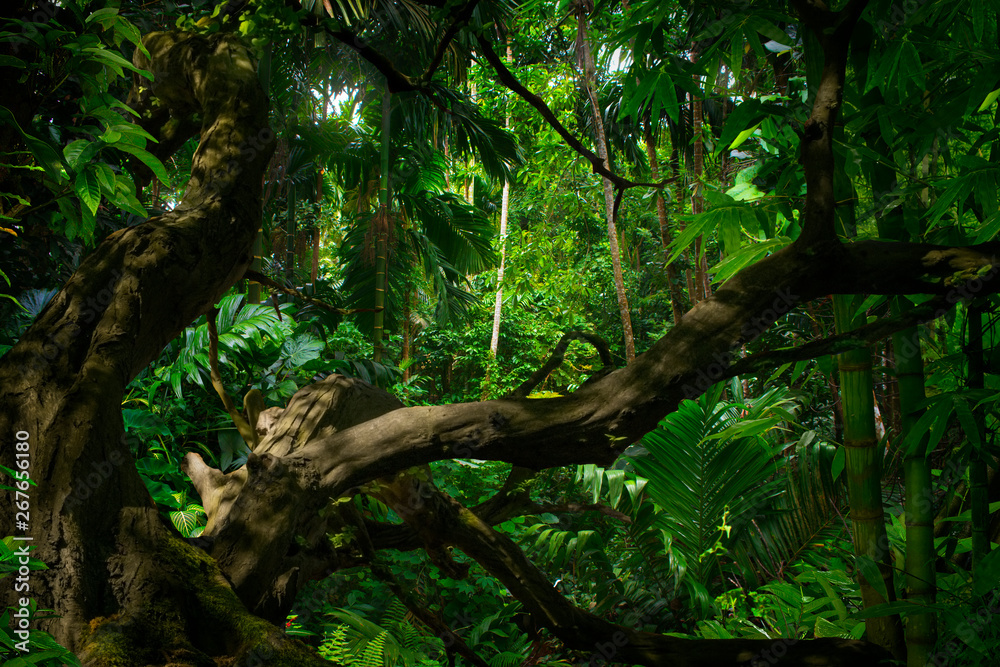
(126, 588)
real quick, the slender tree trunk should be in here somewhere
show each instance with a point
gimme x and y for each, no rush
(589, 76)
(498, 304)
(314, 272)
(863, 455)
(382, 221)
(504, 208)
(253, 289)
(921, 632)
(703, 288)
(978, 475)
(675, 163)
(698, 199)
(673, 276)
(470, 164)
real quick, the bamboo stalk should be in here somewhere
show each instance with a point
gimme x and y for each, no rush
(921, 629)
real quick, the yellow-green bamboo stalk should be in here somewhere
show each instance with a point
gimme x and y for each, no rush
(864, 479)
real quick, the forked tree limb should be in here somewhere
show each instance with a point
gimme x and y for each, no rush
(557, 357)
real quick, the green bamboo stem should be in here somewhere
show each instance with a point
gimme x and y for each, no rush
(921, 629)
(864, 479)
(978, 476)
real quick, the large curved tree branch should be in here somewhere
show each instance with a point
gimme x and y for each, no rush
(310, 462)
(444, 522)
(599, 420)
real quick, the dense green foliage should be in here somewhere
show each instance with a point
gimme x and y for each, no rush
(728, 520)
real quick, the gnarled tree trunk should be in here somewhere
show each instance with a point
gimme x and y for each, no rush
(127, 589)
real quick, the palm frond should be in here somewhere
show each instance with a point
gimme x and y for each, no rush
(712, 472)
(808, 519)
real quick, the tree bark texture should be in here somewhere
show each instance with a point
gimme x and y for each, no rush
(587, 62)
(127, 589)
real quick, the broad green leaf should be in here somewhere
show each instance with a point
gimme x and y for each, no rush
(986, 574)
(88, 189)
(978, 15)
(967, 420)
(910, 69)
(747, 114)
(769, 30)
(616, 483)
(940, 408)
(126, 30)
(115, 61)
(11, 61)
(148, 159)
(299, 350)
(746, 256)
(990, 99)
(870, 571)
(743, 136)
(125, 199)
(101, 15)
(133, 130)
(47, 155)
(839, 460)
(636, 98)
(106, 177)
